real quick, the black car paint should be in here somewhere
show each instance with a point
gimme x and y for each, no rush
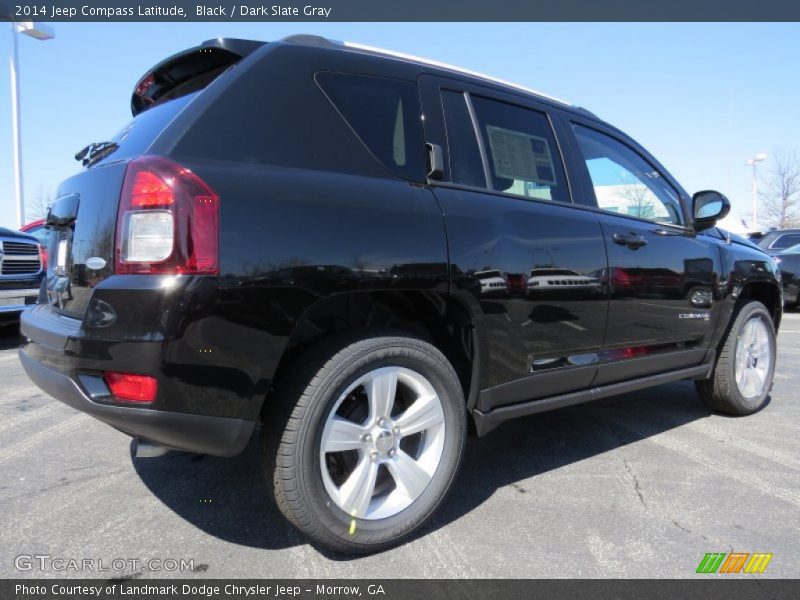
(311, 225)
(788, 259)
(790, 274)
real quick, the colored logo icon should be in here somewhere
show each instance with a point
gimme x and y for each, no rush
(736, 562)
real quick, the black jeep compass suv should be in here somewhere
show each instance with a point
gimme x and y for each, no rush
(296, 234)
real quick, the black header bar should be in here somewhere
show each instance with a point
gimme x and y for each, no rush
(400, 10)
(711, 587)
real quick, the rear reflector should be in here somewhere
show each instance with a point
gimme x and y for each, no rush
(133, 388)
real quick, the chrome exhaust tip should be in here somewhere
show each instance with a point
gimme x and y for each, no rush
(143, 449)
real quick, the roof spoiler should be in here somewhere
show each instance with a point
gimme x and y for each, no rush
(188, 71)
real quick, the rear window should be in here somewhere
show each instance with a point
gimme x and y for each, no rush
(786, 240)
(384, 114)
(139, 134)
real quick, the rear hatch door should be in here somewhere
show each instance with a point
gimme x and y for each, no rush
(84, 214)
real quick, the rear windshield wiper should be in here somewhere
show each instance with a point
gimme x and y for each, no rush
(94, 152)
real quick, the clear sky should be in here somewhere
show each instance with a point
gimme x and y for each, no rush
(701, 97)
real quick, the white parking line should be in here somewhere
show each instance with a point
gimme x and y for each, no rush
(20, 450)
(29, 415)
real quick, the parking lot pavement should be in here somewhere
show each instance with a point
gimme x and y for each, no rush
(638, 486)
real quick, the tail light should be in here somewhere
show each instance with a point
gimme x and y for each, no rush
(168, 220)
(133, 388)
(43, 257)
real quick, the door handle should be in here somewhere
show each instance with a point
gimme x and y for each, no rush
(632, 241)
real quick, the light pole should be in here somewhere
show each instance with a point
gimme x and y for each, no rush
(40, 32)
(754, 161)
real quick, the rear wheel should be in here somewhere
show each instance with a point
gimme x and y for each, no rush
(365, 440)
(742, 377)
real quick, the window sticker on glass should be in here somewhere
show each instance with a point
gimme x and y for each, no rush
(521, 156)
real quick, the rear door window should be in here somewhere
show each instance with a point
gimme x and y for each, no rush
(521, 150)
(384, 113)
(466, 165)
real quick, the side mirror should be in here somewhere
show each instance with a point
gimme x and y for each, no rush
(708, 207)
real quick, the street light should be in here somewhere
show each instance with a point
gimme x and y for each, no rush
(40, 32)
(754, 161)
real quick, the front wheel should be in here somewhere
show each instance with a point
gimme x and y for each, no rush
(742, 377)
(365, 440)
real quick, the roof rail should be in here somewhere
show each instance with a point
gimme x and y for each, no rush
(322, 42)
(448, 67)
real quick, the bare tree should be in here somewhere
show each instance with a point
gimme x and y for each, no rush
(638, 197)
(780, 195)
(38, 205)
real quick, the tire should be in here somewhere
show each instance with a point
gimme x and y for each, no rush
(740, 352)
(328, 385)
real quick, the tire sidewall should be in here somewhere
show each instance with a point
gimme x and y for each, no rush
(361, 358)
(748, 312)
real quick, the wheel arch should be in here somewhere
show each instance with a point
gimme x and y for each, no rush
(438, 318)
(766, 292)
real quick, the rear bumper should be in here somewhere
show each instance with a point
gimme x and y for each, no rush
(180, 431)
(68, 365)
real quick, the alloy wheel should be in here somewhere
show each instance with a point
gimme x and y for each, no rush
(753, 358)
(382, 443)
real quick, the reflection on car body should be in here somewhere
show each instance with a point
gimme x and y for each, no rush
(547, 279)
(493, 283)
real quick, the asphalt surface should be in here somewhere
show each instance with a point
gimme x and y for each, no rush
(642, 485)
